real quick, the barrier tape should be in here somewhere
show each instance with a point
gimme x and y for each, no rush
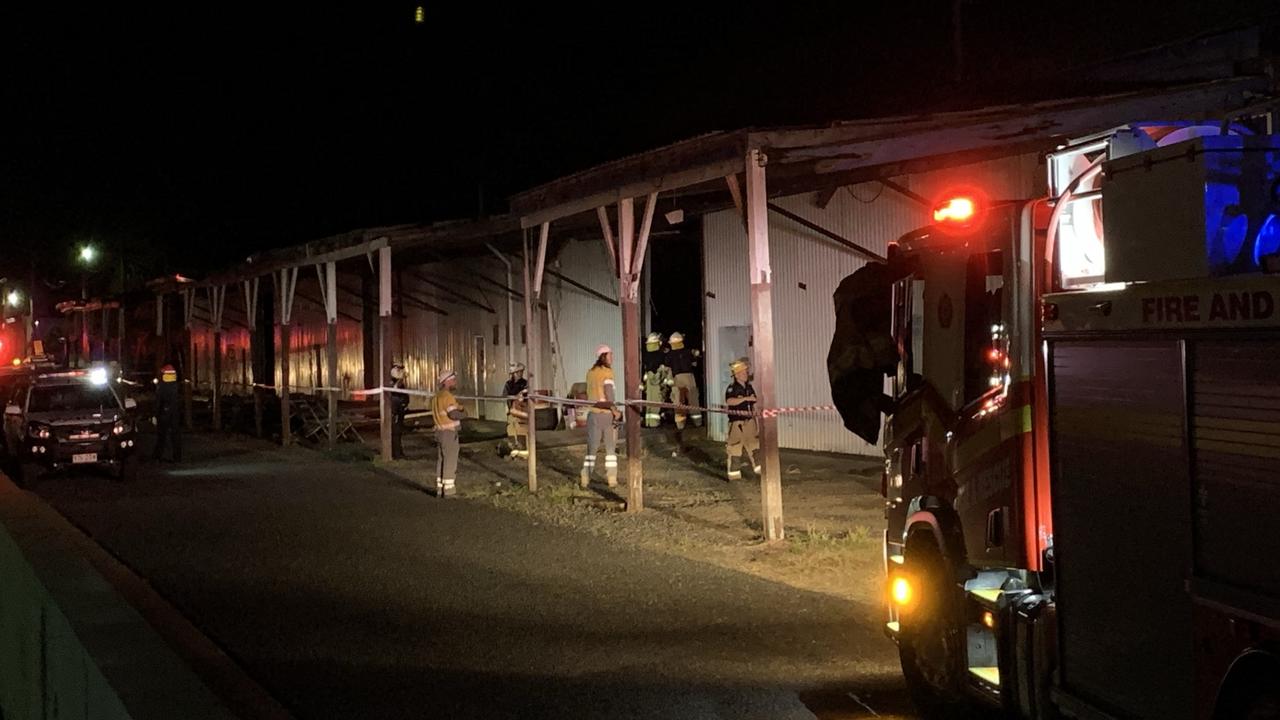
(561, 401)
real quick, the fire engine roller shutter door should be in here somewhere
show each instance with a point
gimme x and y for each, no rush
(1122, 525)
(1236, 438)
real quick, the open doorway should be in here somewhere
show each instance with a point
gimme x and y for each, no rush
(675, 287)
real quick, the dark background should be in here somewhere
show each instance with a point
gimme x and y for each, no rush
(185, 138)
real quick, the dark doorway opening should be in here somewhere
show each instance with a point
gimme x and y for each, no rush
(675, 286)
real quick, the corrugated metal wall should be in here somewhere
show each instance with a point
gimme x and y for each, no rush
(806, 270)
(583, 321)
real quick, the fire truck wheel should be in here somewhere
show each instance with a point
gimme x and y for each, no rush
(931, 644)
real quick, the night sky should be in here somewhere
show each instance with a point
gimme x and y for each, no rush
(189, 137)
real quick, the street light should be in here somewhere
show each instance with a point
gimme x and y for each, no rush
(15, 298)
(87, 254)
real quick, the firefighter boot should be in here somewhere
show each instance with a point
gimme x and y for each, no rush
(730, 472)
(611, 470)
(447, 488)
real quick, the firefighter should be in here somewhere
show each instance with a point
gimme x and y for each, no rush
(168, 414)
(682, 362)
(657, 379)
(399, 407)
(516, 392)
(601, 419)
(447, 414)
(744, 432)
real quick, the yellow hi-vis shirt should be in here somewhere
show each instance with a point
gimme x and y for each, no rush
(441, 404)
(598, 378)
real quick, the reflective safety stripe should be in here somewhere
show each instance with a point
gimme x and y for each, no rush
(611, 461)
(735, 474)
(589, 462)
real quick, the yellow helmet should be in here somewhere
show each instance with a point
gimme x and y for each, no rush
(739, 364)
(654, 341)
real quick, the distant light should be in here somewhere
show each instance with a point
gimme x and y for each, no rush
(988, 619)
(420, 15)
(17, 362)
(14, 298)
(98, 376)
(87, 253)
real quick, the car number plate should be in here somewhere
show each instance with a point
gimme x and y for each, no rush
(84, 458)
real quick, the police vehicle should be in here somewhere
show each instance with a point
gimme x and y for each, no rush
(76, 418)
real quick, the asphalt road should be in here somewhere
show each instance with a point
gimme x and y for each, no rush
(349, 594)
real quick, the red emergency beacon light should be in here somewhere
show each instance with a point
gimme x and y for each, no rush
(960, 210)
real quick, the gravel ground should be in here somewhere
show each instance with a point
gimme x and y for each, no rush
(348, 592)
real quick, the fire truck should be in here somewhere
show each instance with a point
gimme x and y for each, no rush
(1083, 439)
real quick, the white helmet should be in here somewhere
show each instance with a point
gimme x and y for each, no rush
(602, 349)
(445, 377)
(653, 339)
(677, 340)
(514, 368)
(397, 371)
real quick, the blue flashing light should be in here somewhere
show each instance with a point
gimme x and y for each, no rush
(1268, 240)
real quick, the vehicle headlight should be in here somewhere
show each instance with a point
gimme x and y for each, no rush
(121, 428)
(36, 430)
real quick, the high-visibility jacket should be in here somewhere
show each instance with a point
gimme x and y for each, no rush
(442, 404)
(600, 387)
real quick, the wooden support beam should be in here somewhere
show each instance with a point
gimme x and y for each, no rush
(632, 416)
(815, 227)
(543, 232)
(285, 288)
(329, 283)
(531, 363)
(762, 335)
(642, 244)
(607, 232)
(735, 192)
(384, 348)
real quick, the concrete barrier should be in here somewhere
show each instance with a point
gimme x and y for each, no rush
(83, 638)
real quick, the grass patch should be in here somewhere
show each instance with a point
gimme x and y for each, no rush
(816, 540)
(350, 452)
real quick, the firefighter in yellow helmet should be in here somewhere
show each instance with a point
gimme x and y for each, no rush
(744, 432)
(447, 413)
(168, 413)
(657, 379)
(683, 362)
(601, 419)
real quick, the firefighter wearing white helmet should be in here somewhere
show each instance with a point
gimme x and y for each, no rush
(744, 432)
(657, 379)
(447, 413)
(601, 418)
(683, 363)
(516, 392)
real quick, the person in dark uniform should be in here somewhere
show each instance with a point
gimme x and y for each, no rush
(683, 362)
(399, 407)
(744, 432)
(168, 414)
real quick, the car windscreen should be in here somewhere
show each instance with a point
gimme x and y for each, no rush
(71, 397)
